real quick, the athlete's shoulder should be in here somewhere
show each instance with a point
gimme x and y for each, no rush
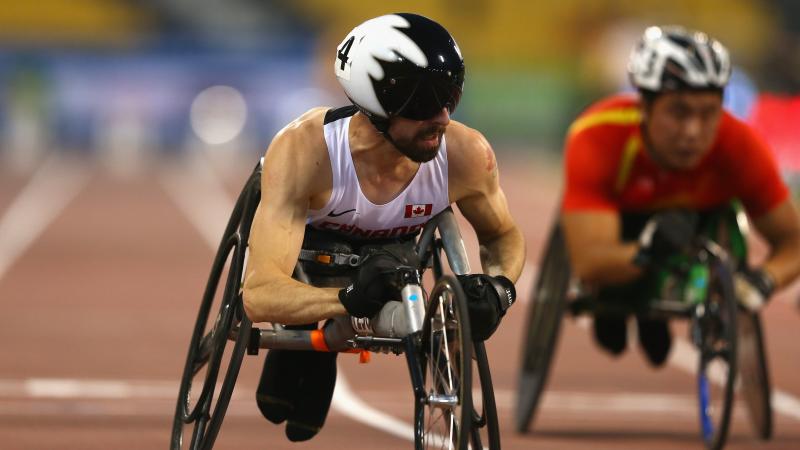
(461, 136)
(466, 146)
(299, 148)
(309, 123)
(614, 101)
(612, 112)
(470, 158)
(732, 125)
(737, 137)
(304, 135)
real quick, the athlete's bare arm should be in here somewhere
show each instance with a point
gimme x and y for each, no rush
(474, 186)
(296, 172)
(597, 254)
(781, 227)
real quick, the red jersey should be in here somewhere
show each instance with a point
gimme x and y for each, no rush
(607, 167)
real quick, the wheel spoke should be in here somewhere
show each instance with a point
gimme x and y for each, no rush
(443, 408)
(203, 353)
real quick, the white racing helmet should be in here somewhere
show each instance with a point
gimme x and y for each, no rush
(400, 65)
(672, 57)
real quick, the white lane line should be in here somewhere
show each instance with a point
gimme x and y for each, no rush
(200, 195)
(786, 403)
(347, 403)
(684, 356)
(47, 193)
(144, 394)
(66, 388)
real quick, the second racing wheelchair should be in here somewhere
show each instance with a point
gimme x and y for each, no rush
(697, 286)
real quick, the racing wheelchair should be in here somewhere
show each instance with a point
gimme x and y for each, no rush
(697, 286)
(437, 344)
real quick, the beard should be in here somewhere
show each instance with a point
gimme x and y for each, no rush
(416, 148)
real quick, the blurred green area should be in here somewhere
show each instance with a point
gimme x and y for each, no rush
(556, 32)
(531, 66)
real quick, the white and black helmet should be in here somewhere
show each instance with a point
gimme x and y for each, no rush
(400, 65)
(672, 57)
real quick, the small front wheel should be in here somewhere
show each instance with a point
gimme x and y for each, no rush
(443, 416)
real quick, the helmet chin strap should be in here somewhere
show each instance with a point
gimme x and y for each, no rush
(380, 123)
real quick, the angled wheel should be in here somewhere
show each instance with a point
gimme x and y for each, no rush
(544, 323)
(443, 417)
(714, 330)
(754, 374)
(217, 346)
(485, 433)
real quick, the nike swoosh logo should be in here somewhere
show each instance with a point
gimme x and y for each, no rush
(334, 214)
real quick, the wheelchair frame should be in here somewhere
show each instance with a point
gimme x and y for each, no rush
(550, 302)
(446, 305)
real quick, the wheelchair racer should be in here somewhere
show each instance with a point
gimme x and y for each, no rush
(355, 184)
(636, 163)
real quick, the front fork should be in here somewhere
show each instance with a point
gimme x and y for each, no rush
(415, 305)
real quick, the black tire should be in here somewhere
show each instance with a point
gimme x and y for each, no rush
(208, 344)
(545, 312)
(446, 362)
(714, 326)
(754, 379)
(485, 426)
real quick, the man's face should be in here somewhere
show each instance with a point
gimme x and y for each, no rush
(419, 140)
(681, 127)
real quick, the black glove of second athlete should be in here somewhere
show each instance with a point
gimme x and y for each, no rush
(488, 298)
(373, 285)
(665, 234)
(753, 287)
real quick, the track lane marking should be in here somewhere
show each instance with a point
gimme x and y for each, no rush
(48, 192)
(684, 356)
(200, 195)
(147, 392)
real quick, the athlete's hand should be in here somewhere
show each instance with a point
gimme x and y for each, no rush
(373, 285)
(665, 234)
(753, 288)
(488, 298)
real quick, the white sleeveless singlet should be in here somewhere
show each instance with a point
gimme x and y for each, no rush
(350, 213)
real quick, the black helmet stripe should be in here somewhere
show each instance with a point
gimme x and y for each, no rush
(402, 87)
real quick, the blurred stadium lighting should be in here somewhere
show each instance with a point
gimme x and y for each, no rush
(297, 101)
(741, 94)
(218, 114)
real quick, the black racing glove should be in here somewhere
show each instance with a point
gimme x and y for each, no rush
(666, 233)
(373, 285)
(488, 298)
(753, 288)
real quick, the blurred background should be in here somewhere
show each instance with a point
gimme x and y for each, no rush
(121, 80)
(127, 127)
